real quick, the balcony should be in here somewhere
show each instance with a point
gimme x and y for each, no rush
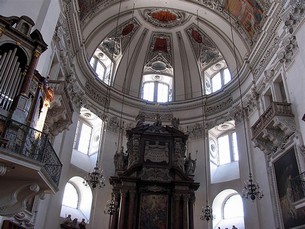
(274, 127)
(27, 154)
(298, 190)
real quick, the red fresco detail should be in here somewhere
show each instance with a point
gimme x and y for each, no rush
(160, 45)
(128, 29)
(164, 16)
(196, 35)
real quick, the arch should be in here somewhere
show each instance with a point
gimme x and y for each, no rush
(82, 194)
(226, 199)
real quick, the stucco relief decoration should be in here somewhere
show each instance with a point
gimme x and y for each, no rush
(165, 17)
(159, 64)
(156, 152)
(295, 15)
(165, 117)
(117, 41)
(87, 7)
(205, 50)
(288, 50)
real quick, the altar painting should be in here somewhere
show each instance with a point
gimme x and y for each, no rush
(153, 211)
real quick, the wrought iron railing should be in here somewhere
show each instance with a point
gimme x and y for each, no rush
(298, 187)
(275, 109)
(30, 143)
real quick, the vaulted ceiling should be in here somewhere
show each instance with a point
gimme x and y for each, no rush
(177, 38)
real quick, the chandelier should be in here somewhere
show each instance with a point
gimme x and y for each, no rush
(111, 206)
(95, 178)
(252, 190)
(207, 213)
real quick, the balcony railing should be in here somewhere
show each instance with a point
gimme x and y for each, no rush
(275, 109)
(298, 187)
(30, 143)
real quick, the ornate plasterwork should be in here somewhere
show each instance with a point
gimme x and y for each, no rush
(15, 202)
(165, 18)
(159, 64)
(115, 44)
(220, 106)
(96, 94)
(294, 15)
(265, 60)
(204, 48)
(287, 50)
(76, 94)
(151, 116)
(160, 43)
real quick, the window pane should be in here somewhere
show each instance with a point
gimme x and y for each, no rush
(84, 138)
(162, 93)
(148, 91)
(233, 207)
(100, 70)
(235, 148)
(224, 150)
(92, 62)
(216, 82)
(70, 198)
(226, 76)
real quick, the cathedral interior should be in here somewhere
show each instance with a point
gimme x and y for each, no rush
(160, 114)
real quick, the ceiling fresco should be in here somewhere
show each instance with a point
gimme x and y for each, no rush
(249, 13)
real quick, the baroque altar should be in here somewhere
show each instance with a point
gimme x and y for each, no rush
(153, 186)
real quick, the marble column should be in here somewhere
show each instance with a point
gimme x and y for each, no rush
(122, 209)
(131, 212)
(191, 212)
(185, 215)
(177, 198)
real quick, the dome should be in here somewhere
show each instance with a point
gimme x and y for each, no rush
(166, 52)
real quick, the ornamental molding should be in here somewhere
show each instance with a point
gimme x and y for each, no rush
(160, 44)
(165, 18)
(151, 116)
(76, 94)
(268, 55)
(287, 50)
(115, 44)
(294, 15)
(220, 106)
(204, 48)
(96, 94)
(15, 202)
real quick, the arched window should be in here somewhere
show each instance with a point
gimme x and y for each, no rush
(233, 207)
(102, 65)
(77, 199)
(223, 153)
(228, 210)
(83, 137)
(227, 148)
(157, 88)
(215, 77)
(70, 198)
